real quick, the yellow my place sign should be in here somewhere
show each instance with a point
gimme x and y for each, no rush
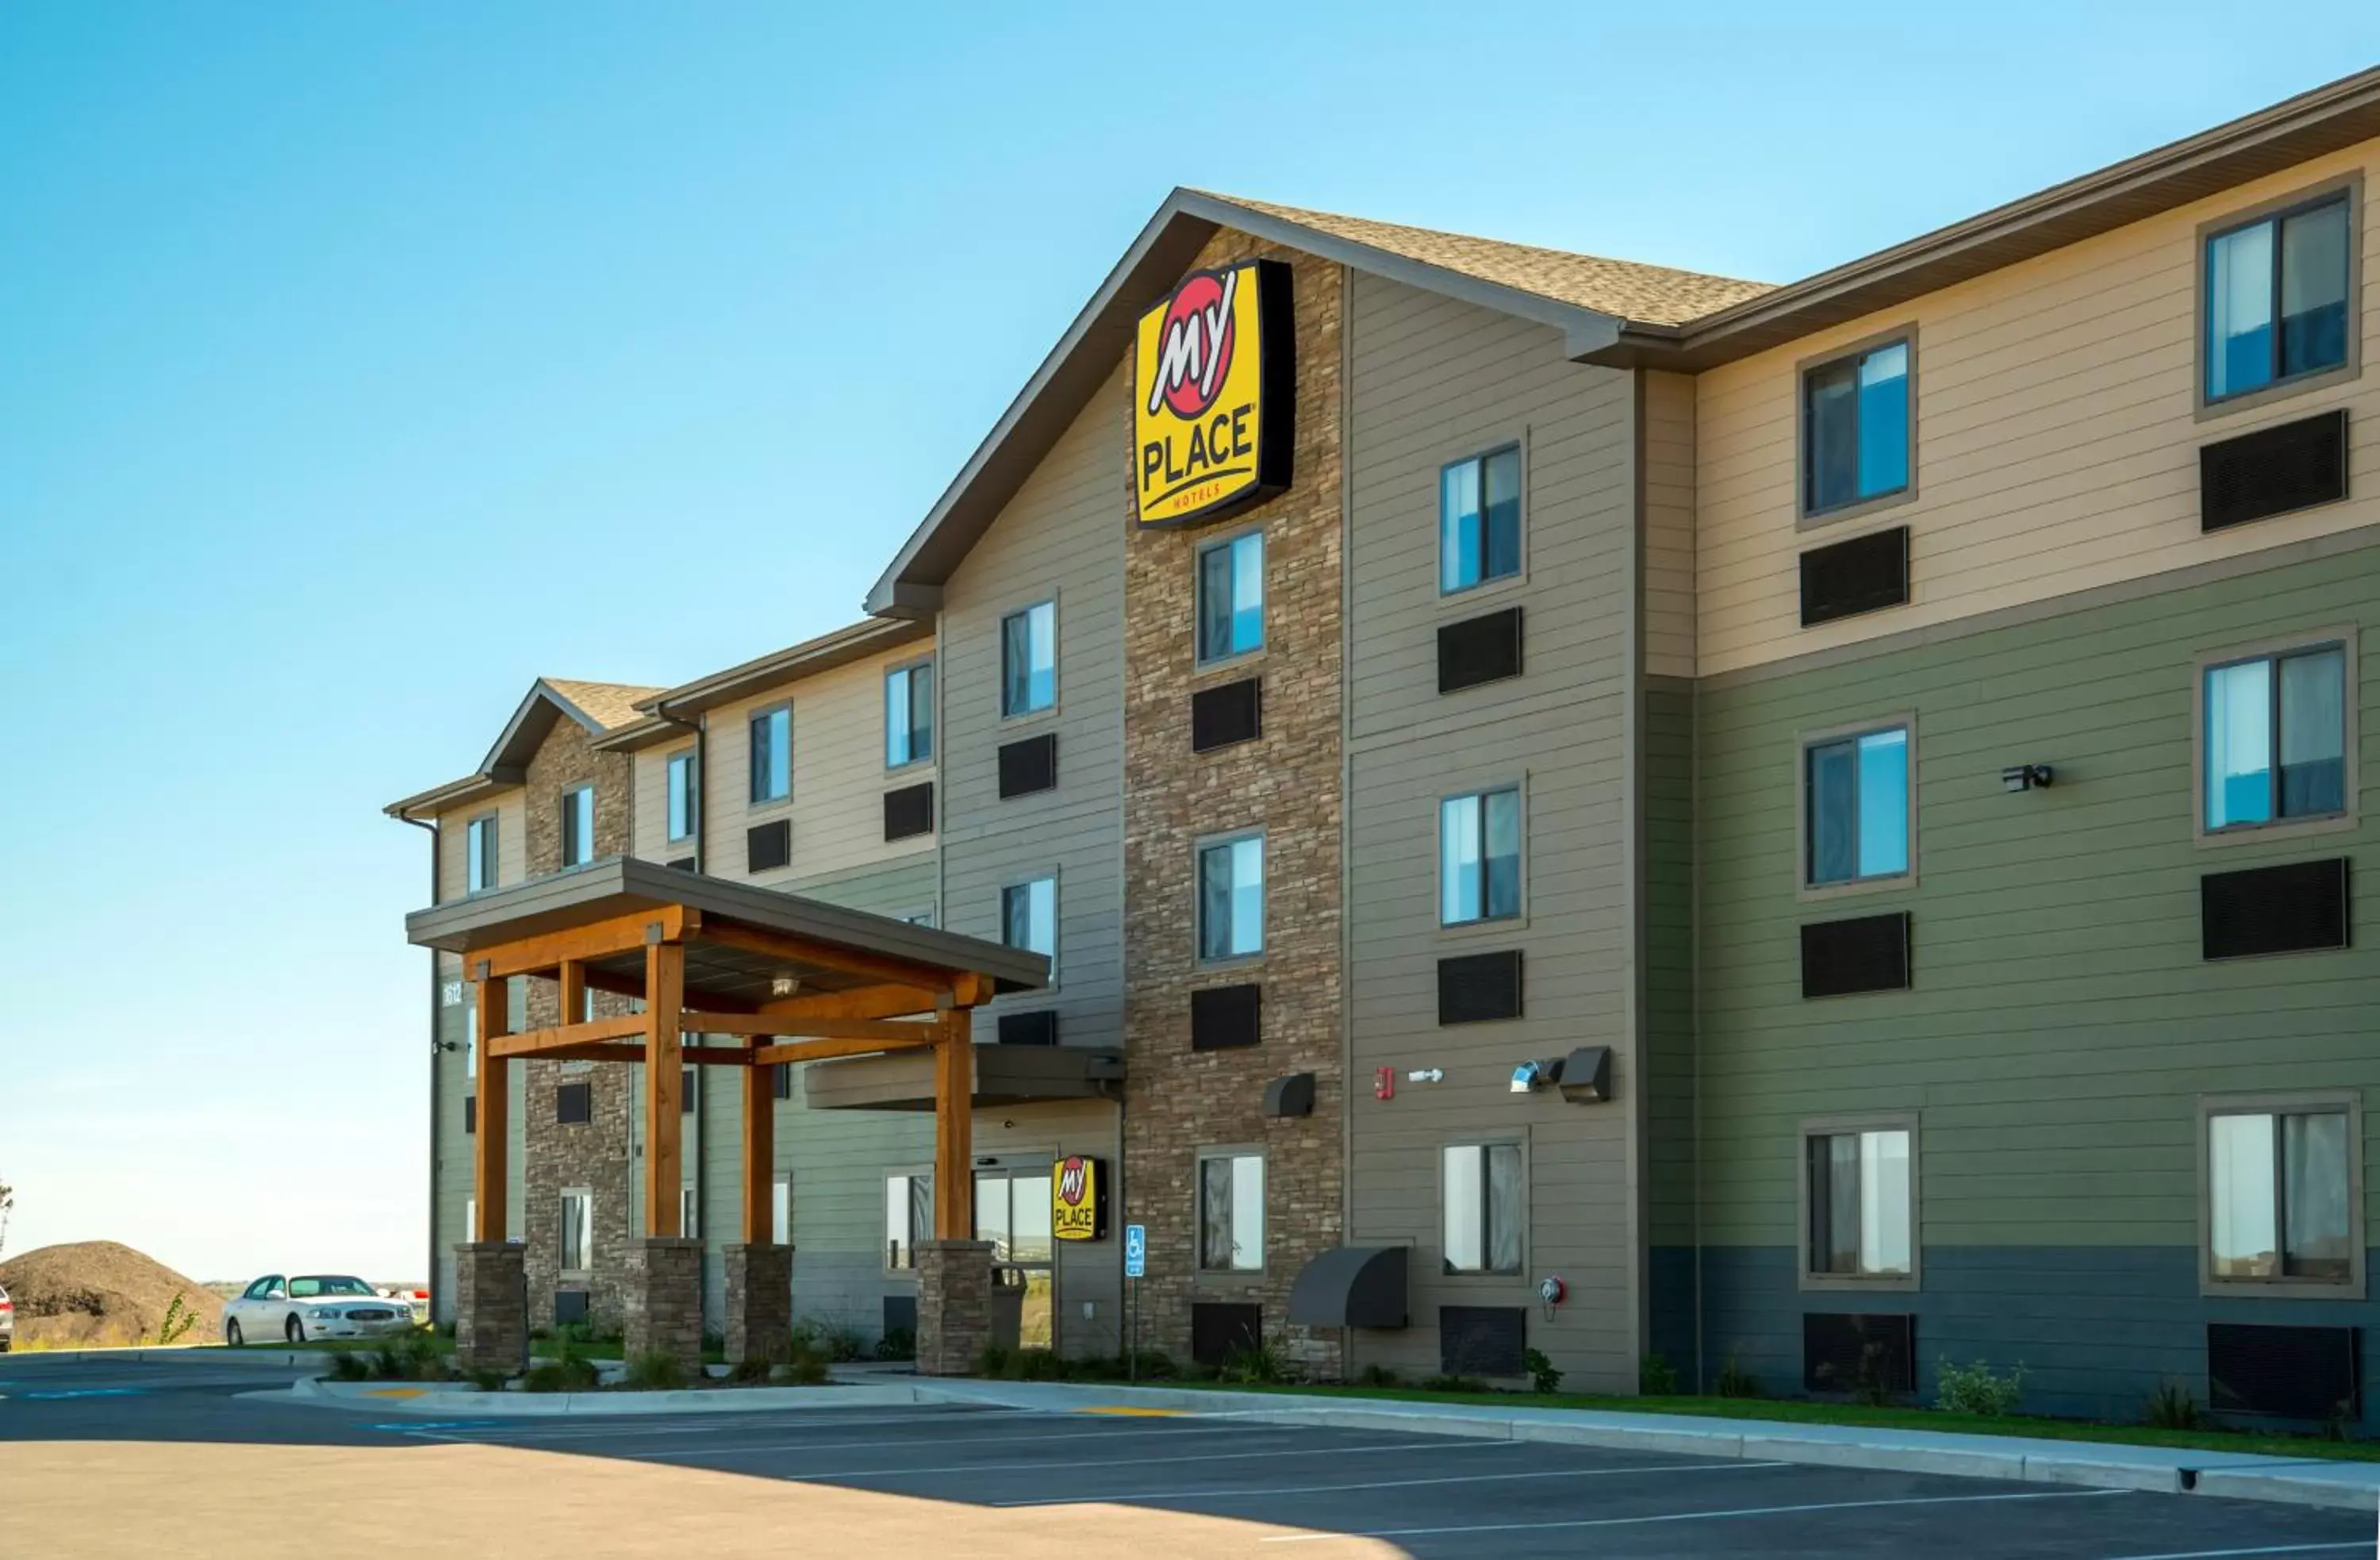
(1214, 394)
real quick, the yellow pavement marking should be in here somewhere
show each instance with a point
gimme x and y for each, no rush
(1139, 1413)
(396, 1392)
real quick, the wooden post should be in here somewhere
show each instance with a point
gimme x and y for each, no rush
(954, 1127)
(664, 1001)
(759, 1154)
(574, 994)
(493, 1128)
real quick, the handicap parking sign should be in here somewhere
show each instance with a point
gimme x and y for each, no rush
(1135, 1251)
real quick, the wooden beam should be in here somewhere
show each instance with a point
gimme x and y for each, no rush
(759, 1154)
(953, 1127)
(536, 1042)
(864, 1002)
(491, 1133)
(830, 955)
(665, 998)
(826, 1050)
(573, 980)
(620, 934)
(687, 1055)
(893, 1030)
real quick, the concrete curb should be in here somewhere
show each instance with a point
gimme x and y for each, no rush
(445, 1403)
(2087, 1463)
(210, 1354)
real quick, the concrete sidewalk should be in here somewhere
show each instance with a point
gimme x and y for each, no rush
(2354, 1486)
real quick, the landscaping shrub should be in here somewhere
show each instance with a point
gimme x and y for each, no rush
(655, 1370)
(1379, 1375)
(180, 1320)
(751, 1371)
(561, 1375)
(346, 1367)
(2173, 1407)
(1543, 1377)
(1974, 1389)
(1870, 1387)
(488, 1378)
(991, 1361)
(898, 1343)
(1194, 1371)
(1734, 1381)
(413, 1358)
(1654, 1376)
(1452, 1383)
(1258, 1363)
(801, 1363)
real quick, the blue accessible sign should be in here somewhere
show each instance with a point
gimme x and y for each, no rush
(1135, 1251)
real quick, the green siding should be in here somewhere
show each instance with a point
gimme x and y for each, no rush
(2061, 1022)
(1669, 912)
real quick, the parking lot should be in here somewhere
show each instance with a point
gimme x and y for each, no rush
(125, 1460)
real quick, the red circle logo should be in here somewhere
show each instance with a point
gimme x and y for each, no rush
(1194, 344)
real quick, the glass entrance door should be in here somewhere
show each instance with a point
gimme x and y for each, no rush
(1011, 1211)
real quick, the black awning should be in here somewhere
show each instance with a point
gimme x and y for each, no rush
(1353, 1286)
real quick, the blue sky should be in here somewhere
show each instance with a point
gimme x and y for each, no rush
(360, 363)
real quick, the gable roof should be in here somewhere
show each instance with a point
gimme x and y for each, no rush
(596, 706)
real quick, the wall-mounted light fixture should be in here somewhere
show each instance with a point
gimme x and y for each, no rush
(2025, 778)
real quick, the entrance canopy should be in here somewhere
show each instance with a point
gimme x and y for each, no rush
(779, 978)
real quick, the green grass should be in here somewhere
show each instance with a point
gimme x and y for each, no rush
(1794, 1411)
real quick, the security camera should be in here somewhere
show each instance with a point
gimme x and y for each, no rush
(2025, 778)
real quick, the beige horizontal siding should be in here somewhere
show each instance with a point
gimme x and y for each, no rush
(2056, 441)
(653, 841)
(1668, 448)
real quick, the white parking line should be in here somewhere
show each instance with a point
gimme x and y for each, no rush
(1043, 1463)
(2358, 1544)
(1036, 1439)
(1392, 1483)
(498, 1436)
(1687, 1516)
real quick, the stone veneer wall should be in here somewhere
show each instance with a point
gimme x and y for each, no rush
(594, 1154)
(1287, 782)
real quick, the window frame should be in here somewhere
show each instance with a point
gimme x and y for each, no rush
(781, 1208)
(2348, 1101)
(1057, 914)
(884, 1205)
(690, 758)
(1805, 516)
(1849, 1283)
(1000, 661)
(2351, 185)
(1479, 455)
(585, 1196)
(1200, 658)
(490, 854)
(1805, 742)
(1203, 1275)
(1496, 925)
(572, 828)
(1199, 847)
(906, 670)
(1483, 1274)
(2344, 637)
(753, 717)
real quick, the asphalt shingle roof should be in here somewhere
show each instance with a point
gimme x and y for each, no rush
(612, 705)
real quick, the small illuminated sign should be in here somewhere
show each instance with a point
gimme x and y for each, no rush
(1214, 394)
(1079, 1198)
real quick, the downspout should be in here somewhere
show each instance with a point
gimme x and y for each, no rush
(700, 726)
(429, 1274)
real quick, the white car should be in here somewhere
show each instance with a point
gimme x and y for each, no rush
(311, 1305)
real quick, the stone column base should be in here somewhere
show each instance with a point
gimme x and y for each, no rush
(491, 1306)
(954, 1305)
(661, 1300)
(760, 1301)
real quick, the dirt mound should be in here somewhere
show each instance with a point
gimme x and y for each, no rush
(97, 1292)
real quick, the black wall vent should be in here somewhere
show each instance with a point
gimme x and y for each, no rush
(1227, 713)
(1225, 1016)
(1028, 765)
(689, 1092)
(1479, 986)
(569, 1306)
(1480, 649)
(1841, 1352)
(1867, 954)
(682, 864)
(781, 1080)
(1038, 1028)
(2273, 471)
(2273, 909)
(573, 1103)
(1482, 1340)
(470, 1113)
(901, 1314)
(767, 847)
(1862, 575)
(2291, 1372)
(1220, 1329)
(909, 810)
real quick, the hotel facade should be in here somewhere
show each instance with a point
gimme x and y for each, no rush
(1683, 824)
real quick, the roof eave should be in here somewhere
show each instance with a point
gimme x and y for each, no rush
(441, 799)
(854, 641)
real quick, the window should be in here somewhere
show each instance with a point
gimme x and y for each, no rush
(2277, 298)
(1479, 520)
(772, 754)
(781, 1210)
(2276, 738)
(1231, 1212)
(1231, 899)
(480, 840)
(1484, 1207)
(262, 1288)
(2282, 1195)
(1855, 428)
(1231, 597)
(908, 1218)
(470, 1218)
(470, 1041)
(684, 804)
(579, 827)
(1856, 819)
(1479, 857)
(689, 1213)
(1861, 1203)
(578, 1231)
(908, 714)
(1011, 1211)
(1028, 918)
(1028, 660)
